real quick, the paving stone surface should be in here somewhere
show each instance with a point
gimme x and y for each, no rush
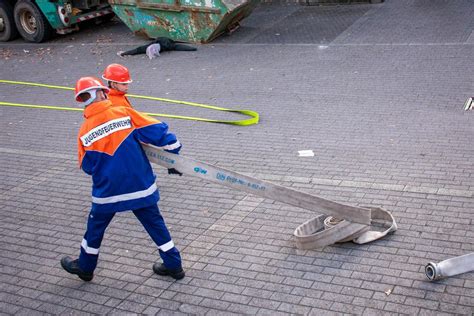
(376, 91)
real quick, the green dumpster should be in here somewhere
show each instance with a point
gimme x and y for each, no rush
(196, 21)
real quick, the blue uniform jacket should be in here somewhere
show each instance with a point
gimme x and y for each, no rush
(109, 150)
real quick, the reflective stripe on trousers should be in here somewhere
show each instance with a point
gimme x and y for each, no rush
(154, 224)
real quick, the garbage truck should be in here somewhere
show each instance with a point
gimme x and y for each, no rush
(37, 20)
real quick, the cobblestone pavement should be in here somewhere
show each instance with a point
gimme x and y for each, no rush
(376, 91)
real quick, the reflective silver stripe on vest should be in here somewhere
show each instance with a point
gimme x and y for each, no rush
(169, 245)
(172, 146)
(126, 197)
(89, 250)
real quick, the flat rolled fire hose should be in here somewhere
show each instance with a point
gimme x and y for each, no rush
(356, 223)
(320, 231)
(450, 267)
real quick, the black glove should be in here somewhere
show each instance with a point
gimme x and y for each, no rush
(174, 171)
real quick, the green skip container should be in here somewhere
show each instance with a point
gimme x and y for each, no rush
(194, 21)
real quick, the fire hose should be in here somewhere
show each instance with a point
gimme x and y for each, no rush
(450, 267)
(253, 116)
(359, 224)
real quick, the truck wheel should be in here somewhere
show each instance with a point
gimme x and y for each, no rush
(8, 30)
(30, 22)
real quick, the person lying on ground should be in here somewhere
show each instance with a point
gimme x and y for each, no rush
(153, 49)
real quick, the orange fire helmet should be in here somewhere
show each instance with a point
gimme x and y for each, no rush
(90, 85)
(117, 73)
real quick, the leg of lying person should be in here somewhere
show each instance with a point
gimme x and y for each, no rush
(136, 51)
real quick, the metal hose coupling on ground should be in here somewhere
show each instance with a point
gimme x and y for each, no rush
(450, 267)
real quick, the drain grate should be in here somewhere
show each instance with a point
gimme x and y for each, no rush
(469, 105)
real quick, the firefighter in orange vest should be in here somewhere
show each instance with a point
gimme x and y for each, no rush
(118, 78)
(122, 178)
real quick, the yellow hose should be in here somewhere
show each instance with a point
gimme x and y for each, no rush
(254, 116)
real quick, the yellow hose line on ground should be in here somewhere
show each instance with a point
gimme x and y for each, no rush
(254, 116)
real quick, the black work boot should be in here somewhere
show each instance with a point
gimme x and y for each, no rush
(72, 266)
(160, 269)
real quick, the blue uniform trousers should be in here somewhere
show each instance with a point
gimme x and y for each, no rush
(154, 224)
